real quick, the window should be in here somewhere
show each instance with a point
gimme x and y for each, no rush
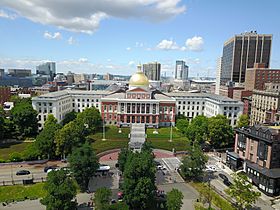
(50, 104)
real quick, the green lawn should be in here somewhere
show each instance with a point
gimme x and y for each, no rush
(7, 149)
(20, 192)
(114, 139)
(217, 200)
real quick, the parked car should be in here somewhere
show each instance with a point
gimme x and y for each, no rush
(49, 167)
(52, 169)
(23, 172)
(227, 183)
(223, 177)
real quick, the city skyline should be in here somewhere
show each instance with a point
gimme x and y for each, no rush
(80, 39)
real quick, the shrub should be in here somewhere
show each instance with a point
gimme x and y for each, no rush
(15, 157)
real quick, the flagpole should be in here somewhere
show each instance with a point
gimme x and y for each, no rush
(104, 138)
(170, 140)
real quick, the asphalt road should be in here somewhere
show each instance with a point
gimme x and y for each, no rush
(8, 173)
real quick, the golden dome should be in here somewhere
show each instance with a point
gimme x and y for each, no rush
(139, 79)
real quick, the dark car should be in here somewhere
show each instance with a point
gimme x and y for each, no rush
(227, 183)
(48, 167)
(223, 177)
(23, 172)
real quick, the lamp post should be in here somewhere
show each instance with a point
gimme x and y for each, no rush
(170, 140)
(104, 137)
(12, 176)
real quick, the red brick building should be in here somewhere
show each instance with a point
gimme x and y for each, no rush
(5, 94)
(138, 104)
(259, 75)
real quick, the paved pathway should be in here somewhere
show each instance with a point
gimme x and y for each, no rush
(158, 153)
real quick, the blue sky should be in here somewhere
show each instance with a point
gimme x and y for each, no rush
(95, 37)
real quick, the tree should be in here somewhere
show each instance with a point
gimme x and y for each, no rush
(68, 137)
(83, 164)
(198, 129)
(122, 158)
(30, 152)
(182, 125)
(25, 118)
(2, 126)
(91, 118)
(242, 191)
(174, 199)
(69, 117)
(61, 189)
(220, 131)
(117, 206)
(243, 121)
(139, 179)
(45, 141)
(193, 163)
(102, 198)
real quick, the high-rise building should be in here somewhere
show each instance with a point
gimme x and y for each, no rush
(47, 68)
(218, 75)
(181, 70)
(152, 70)
(241, 52)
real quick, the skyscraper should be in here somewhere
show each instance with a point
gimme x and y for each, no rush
(47, 68)
(241, 52)
(152, 70)
(181, 70)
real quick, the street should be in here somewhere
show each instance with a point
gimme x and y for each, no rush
(262, 203)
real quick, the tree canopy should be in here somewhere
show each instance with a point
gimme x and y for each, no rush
(242, 191)
(25, 118)
(194, 162)
(61, 190)
(102, 198)
(45, 140)
(69, 117)
(243, 121)
(68, 137)
(198, 129)
(83, 164)
(139, 179)
(174, 199)
(90, 118)
(220, 131)
(182, 125)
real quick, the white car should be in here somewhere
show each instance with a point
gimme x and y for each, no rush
(211, 168)
(52, 169)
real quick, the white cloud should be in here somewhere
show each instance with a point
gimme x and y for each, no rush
(4, 14)
(85, 15)
(128, 48)
(131, 63)
(139, 44)
(192, 44)
(195, 43)
(55, 35)
(83, 60)
(167, 45)
(71, 40)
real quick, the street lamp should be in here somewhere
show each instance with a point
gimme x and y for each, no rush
(12, 176)
(170, 140)
(104, 138)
